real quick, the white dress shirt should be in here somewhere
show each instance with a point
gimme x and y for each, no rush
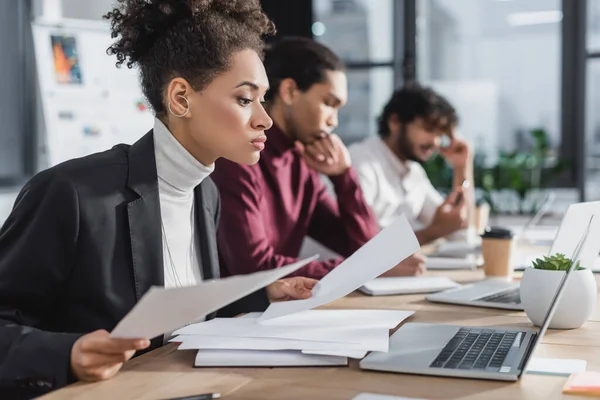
(393, 187)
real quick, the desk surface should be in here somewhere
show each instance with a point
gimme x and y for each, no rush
(167, 372)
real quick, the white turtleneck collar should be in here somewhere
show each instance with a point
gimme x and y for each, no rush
(178, 171)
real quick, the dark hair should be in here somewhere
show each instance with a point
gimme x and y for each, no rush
(302, 59)
(193, 39)
(415, 101)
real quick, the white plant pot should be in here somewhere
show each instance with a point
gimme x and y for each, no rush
(578, 301)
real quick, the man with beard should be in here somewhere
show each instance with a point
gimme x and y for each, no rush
(268, 209)
(411, 129)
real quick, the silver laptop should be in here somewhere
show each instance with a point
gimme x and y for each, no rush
(497, 353)
(506, 295)
(452, 249)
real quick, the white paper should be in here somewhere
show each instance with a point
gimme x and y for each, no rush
(163, 310)
(264, 358)
(388, 248)
(389, 319)
(555, 366)
(244, 328)
(408, 285)
(445, 263)
(377, 340)
(373, 396)
(358, 354)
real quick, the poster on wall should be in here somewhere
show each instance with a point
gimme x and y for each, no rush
(89, 105)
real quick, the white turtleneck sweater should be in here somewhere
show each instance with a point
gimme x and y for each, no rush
(178, 174)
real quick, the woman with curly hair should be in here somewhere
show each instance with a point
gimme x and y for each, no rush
(87, 238)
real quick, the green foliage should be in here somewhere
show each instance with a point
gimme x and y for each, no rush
(517, 171)
(556, 262)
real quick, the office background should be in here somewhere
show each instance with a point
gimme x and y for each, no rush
(511, 67)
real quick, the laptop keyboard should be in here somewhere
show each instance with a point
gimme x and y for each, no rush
(512, 296)
(476, 349)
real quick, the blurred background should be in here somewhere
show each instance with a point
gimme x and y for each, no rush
(524, 76)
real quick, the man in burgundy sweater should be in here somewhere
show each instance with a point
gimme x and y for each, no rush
(267, 209)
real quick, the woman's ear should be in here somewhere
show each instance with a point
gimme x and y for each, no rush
(287, 91)
(178, 98)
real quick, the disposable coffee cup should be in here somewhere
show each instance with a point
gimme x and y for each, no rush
(497, 247)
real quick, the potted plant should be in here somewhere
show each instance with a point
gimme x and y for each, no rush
(540, 283)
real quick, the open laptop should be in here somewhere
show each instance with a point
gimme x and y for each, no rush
(506, 295)
(460, 249)
(497, 353)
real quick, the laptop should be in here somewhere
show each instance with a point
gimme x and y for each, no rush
(462, 249)
(506, 295)
(496, 353)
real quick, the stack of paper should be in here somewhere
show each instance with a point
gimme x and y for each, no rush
(299, 334)
(296, 326)
(313, 337)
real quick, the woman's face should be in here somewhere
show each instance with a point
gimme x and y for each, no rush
(226, 118)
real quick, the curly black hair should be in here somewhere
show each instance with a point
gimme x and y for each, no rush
(193, 39)
(415, 101)
(302, 59)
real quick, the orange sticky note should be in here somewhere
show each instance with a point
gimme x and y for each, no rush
(583, 383)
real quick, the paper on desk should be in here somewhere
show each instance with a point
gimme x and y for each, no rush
(244, 329)
(555, 366)
(408, 285)
(358, 354)
(264, 358)
(162, 310)
(390, 246)
(343, 318)
(375, 340)
(311, 319)
(373, 396)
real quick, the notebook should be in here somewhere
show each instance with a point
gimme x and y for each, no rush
(583, 383)
(450, 263)
(407, 285)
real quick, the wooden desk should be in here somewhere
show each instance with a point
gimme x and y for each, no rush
(167, 372)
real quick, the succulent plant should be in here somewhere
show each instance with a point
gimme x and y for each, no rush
(555, 262)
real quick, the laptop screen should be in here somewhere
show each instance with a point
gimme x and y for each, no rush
(557, 296)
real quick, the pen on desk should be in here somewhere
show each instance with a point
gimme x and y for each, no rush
(203, 396)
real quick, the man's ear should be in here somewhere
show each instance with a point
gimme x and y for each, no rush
(394, 124)
(287, 91)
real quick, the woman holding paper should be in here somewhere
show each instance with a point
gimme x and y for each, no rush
(87, 238)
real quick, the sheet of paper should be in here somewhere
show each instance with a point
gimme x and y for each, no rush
(555, 366)
(377, 340)
(163, 310)
(264, 358)
(390, 246)
(358, 354)
(373, 396)
(435, 263)
(408, 285)
(343, 318)
(244, 329)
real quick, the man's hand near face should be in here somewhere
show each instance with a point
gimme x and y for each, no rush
(327, 155)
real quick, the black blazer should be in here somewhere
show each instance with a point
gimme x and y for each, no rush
(82, 245)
